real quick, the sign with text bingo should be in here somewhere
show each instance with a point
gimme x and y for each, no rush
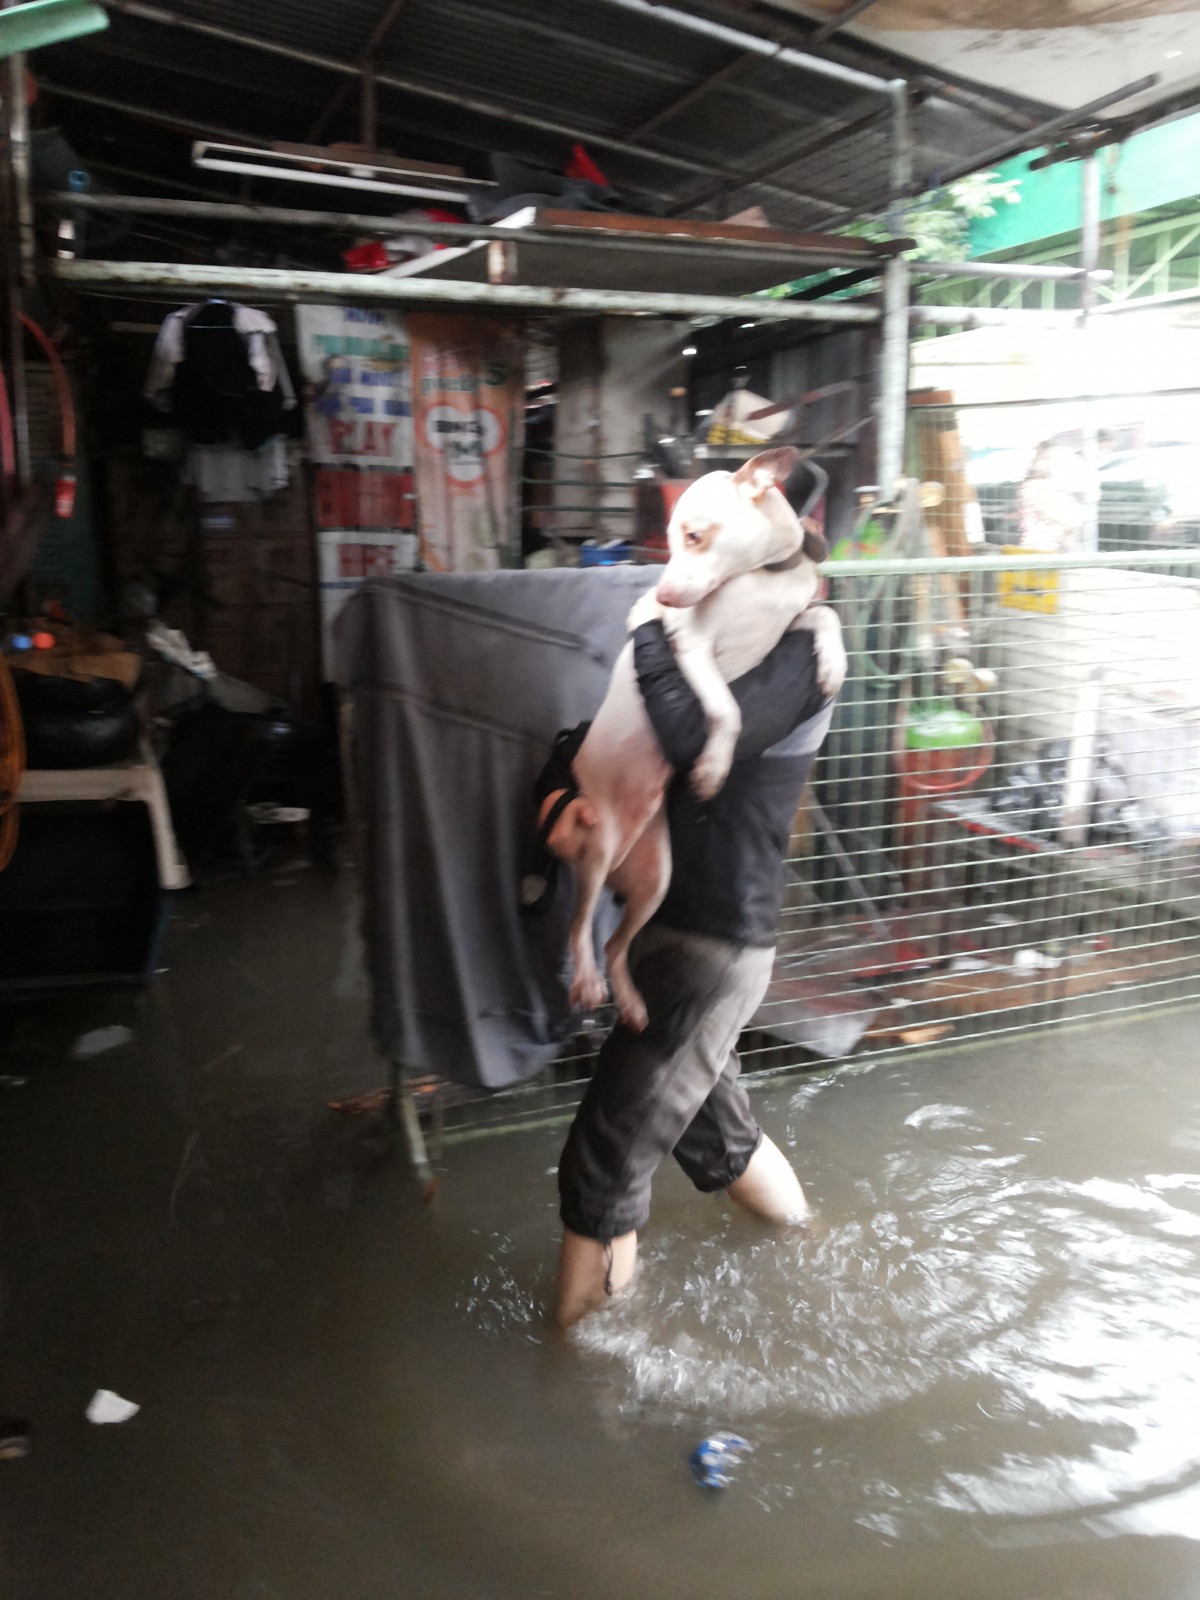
(468, 434)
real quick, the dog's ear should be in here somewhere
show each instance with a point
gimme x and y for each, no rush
(770, 469)
(816, 547)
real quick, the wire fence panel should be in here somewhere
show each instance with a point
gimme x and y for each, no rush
(1003, 828)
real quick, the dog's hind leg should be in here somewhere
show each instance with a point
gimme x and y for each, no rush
(587, 982)
(642, 878)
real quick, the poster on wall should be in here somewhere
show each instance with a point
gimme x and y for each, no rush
(358, 409)
(356, 375)
(468, 431)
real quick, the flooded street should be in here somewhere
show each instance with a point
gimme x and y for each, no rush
(974, 1374)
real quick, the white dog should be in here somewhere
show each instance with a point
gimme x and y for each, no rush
(742, 571)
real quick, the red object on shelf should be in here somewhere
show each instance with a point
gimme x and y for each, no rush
(370, 257)
(44, 641)
(581, 165)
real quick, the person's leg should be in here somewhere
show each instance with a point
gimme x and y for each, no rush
(646, 1089)
(769, 1187)
(589, 1271)
(723, 1147)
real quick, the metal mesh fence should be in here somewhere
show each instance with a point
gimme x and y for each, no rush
(1070, 475)
(1003, 829)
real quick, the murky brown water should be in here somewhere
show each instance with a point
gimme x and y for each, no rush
(989, 1341)
(979, 1376)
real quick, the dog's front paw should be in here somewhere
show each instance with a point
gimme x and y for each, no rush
(632, 1011)
(831, 663)
(711, 768)
(588, 990)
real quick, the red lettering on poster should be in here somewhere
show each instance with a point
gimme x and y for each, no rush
(350, 498)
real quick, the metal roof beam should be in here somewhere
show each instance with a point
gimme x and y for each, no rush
(1044, 131)
(812, 146)
(842, 20)
(784, 55)
(366, 62)
(190, 127)
(731, 70)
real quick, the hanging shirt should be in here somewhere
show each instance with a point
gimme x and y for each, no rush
(218, 370)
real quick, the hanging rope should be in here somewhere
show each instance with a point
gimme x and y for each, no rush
(12, 763)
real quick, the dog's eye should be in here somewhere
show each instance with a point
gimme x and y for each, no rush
(691, 537)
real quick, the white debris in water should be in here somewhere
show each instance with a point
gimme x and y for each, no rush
(105, 1406)
(100, 1040)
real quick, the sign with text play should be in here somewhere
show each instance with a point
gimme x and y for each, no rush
(357, 386)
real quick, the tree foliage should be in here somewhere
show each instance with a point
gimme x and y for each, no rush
(938, 221)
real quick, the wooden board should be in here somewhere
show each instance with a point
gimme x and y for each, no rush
(569, 263)
(716, 232)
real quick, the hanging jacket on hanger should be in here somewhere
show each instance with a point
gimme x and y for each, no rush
(216, 395)
(217, 370)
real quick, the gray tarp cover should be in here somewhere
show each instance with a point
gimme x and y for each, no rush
(458, 685)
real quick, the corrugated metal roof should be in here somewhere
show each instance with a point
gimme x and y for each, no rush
(593, 70)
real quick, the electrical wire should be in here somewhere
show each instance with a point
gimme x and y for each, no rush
(62, 386)
(12, 763)
(8, 448)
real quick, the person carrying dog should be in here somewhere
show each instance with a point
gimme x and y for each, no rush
(702, 964)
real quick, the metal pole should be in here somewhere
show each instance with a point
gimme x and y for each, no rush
(893, 377)
(19, 250)
(1089, 233)
(842, 20)
(1038, 136)
(349, 288)
(893, 356)
(989, 317)
(783, 55)
(1005, 269)
(1089, 250)
(469, 233)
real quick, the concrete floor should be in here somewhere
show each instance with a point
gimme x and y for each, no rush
(185, 1222)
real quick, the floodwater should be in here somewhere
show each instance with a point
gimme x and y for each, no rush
(976, 1374)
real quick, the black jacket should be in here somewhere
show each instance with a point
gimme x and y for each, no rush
(727, 873)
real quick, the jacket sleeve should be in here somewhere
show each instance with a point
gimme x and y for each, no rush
(774, 697)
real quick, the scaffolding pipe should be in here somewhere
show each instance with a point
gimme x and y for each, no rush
(1040, 135)
(1089, 236)
(350, 288)
(893, 375)
(1010, 270)
(894, 353)
(464, 232)
(594, 237)
(780, 54)
(18, 248)
(990, 317)
(1089, 254)
(842, 20)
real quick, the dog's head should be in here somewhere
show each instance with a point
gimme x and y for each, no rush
(731, 522)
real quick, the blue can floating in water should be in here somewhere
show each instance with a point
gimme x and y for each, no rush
(715, 1459)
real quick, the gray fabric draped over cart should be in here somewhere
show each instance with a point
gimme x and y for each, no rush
(459, 683)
